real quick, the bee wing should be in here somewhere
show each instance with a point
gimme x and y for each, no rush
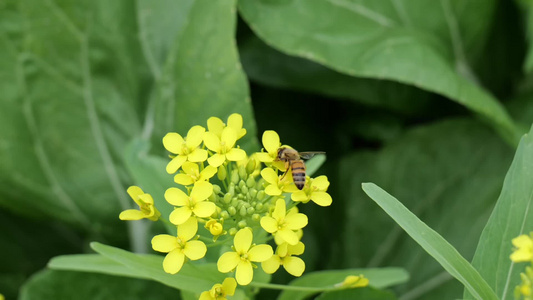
(308, 155)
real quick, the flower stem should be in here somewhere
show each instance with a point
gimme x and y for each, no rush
(274, 286)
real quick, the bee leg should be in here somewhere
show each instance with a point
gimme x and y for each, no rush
(286, 170)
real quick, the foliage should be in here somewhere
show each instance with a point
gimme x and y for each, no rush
(428, 100)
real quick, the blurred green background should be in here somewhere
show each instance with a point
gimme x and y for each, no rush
(425, 98)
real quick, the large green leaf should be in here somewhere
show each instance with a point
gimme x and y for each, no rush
(61, 285)
(420, 43)
(379, 278)
(202, 72)
(449, 174)
(432, 242)
(511, 217)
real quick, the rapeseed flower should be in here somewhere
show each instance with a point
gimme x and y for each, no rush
(215, 125)
(185, 148)
(145, 202)
(284, 224)
(315, 190)
(284, 256)
(277, 186)
(191, 174)
(524, 248)
(271, 144)
(220, 291)
(181, 247)
(354, 281)
(223, 147)
(194, 204)
(241, 259)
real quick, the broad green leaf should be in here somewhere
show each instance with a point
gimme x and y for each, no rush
(267, 66)
(432, 242)
(61, 285)
(314, 164)
(420, 43)
(448, 173)
(379, 278)
(367, 293)
(70, 102)
(95, 263)
(511, 217)
(202, 75)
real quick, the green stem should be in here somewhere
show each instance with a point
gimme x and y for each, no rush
(274, 286)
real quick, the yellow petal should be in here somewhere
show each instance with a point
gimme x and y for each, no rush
(195, 136)
(236, 154)
(228, 138)
(296, 221)
(321, 183)
(272, 190)
(215, 125)
(135, 192)
(523, 240)
(201, 191)
(271, 141)
(288, 236)
(264, 157)
(260, 253)
(190, 168)
(235, 121)
(229, 285)
(147, 199)
(208, 172)
(179, 215)
(206, 296)
(243, 240)
(198, 155)
(188, 229)
(195, 250)
(175, 164)
(271, 265)
(280, 210)
(183, 179)
(216, 160)
(228, 261)
(212, 141)
(173, 261)
(204, 209)
(521, 255)
(300, 196)
(131, 215)
(173, 142)
(244, 273)
(270, 176)
(294, 265)
(164, 243)
(321, 198)
(176, 197)
(269, 224)
(297, 249)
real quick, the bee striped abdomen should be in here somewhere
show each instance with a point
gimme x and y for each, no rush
(298, 173)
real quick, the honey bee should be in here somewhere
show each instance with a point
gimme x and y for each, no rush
(293, 159)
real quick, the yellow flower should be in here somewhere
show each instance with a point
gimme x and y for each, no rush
(241, 259)
(276, 186)
(353, 281)
(179, 248)
(524, 251)
(215, 228)
(191, 174)
(284, 257)
(146, 206)
(185, 149)
(315, 191)
(223, 147)
(283, 224)
(215, 125)
(219, 291)
(271, 144)
(193, 205)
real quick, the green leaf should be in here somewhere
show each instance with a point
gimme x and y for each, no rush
(93, 263)
(448, 173)
(59, 285)
(202, 75)
(379, 278)
(511, 217)
(267, 66)
(414, 42)
(432, 242)
(367, 293)
(313, 164)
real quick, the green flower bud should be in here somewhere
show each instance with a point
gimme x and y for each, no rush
(222, 173)
(234, 202)
(232, 231)
(235, 177)
(250, 210)
(252, 193)
(261, 195)
(242, 172)
(259, 206)
(250, 166)
(232, 211)
(256, 217)
(216, 189)
(244, 190)
(250, 182)
(227, 198)
(242, 184)
(224, 214)
(242, 224)
(243, 211)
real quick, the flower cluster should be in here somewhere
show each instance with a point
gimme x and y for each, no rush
(523, 252)
(243, 201)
